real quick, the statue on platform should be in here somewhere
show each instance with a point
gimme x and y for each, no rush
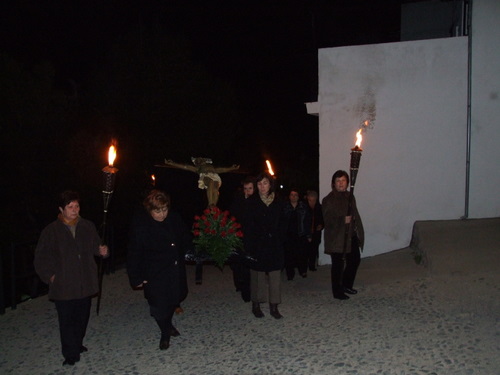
(209, 178)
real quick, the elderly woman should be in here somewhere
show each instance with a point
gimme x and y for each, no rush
(264, 227)
(158, 243)
(64, 259)
(345, 257)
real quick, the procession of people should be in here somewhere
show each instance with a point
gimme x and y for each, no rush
(281, 234)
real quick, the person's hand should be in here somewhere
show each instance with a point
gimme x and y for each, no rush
(103, 251)
(319, 228)
(348, 219)
(52, 279)
(236, 166)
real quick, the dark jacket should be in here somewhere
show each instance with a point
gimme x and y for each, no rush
(156, 253)
(264, 228)
(301, 223)
(316, 214)
(334, 212)
(70, 259)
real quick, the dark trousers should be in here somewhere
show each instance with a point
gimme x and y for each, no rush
(241, 279)
(312, 254)
(295, 257)
(166, 324)
(343, 275)
(73, 318)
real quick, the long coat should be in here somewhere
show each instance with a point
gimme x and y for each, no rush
(334, 207)
(265, 228)
(156, 254)
(70, 259)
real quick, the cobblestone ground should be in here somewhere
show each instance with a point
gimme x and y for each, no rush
(402, 321)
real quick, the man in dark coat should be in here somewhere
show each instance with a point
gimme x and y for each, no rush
(241, 271)
(317, 225)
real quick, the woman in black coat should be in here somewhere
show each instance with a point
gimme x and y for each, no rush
(264, 227)
(158, 243)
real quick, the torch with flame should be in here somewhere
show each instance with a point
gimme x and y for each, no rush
(109, 178)
(269, 168)
(356, 158)
(354, 168)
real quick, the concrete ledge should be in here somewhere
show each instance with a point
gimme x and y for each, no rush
(457, 246)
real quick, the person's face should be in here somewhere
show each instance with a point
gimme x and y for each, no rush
(159, 214)
(71, 211)
(311, 201)
(294, 197)
(248, 189)
(264, 186)
(340, 184)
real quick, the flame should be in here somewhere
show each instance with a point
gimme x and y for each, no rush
(111, 155)
(359, 138)
(270, 168)
(153, 177)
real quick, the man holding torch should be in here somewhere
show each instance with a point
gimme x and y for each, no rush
(64, 259)
(344, 235)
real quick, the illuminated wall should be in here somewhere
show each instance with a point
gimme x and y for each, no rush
(415, 155)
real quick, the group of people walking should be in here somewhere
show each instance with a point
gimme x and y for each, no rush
(279, 235)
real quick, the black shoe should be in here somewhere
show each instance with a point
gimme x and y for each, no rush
(83, 349)
(340, 296)
(164, 344)
(245, 295)
(304, 275)
(257, 312)
(174, 332)
(70, 361)
(350, 291)
(313, 269)
(273, 307)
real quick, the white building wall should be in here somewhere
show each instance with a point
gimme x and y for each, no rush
(414, 159)
(485, 110)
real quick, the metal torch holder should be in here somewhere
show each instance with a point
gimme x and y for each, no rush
(354, 168)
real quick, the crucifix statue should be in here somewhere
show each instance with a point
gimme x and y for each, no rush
(209, 178)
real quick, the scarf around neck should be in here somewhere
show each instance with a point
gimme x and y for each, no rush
(267, 200)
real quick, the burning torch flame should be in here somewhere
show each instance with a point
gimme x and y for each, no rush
(270, 168)
(359, 138)
(111, 155)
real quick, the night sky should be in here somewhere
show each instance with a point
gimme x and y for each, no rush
(244, 70)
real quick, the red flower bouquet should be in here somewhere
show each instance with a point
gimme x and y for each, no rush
(217, 234)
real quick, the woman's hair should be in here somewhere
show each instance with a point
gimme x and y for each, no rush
(68, 196)
(249, 180)
(156, 199)
(338, 174)
(263, 175)
(312, 193)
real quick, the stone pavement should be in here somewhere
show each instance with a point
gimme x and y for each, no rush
(404, 320)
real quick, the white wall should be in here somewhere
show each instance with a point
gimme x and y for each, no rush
(485, 110)
(414, 160)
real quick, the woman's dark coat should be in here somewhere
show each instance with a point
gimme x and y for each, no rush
(335, 206)
(70, 259)
(264, 228)
(156, 254)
